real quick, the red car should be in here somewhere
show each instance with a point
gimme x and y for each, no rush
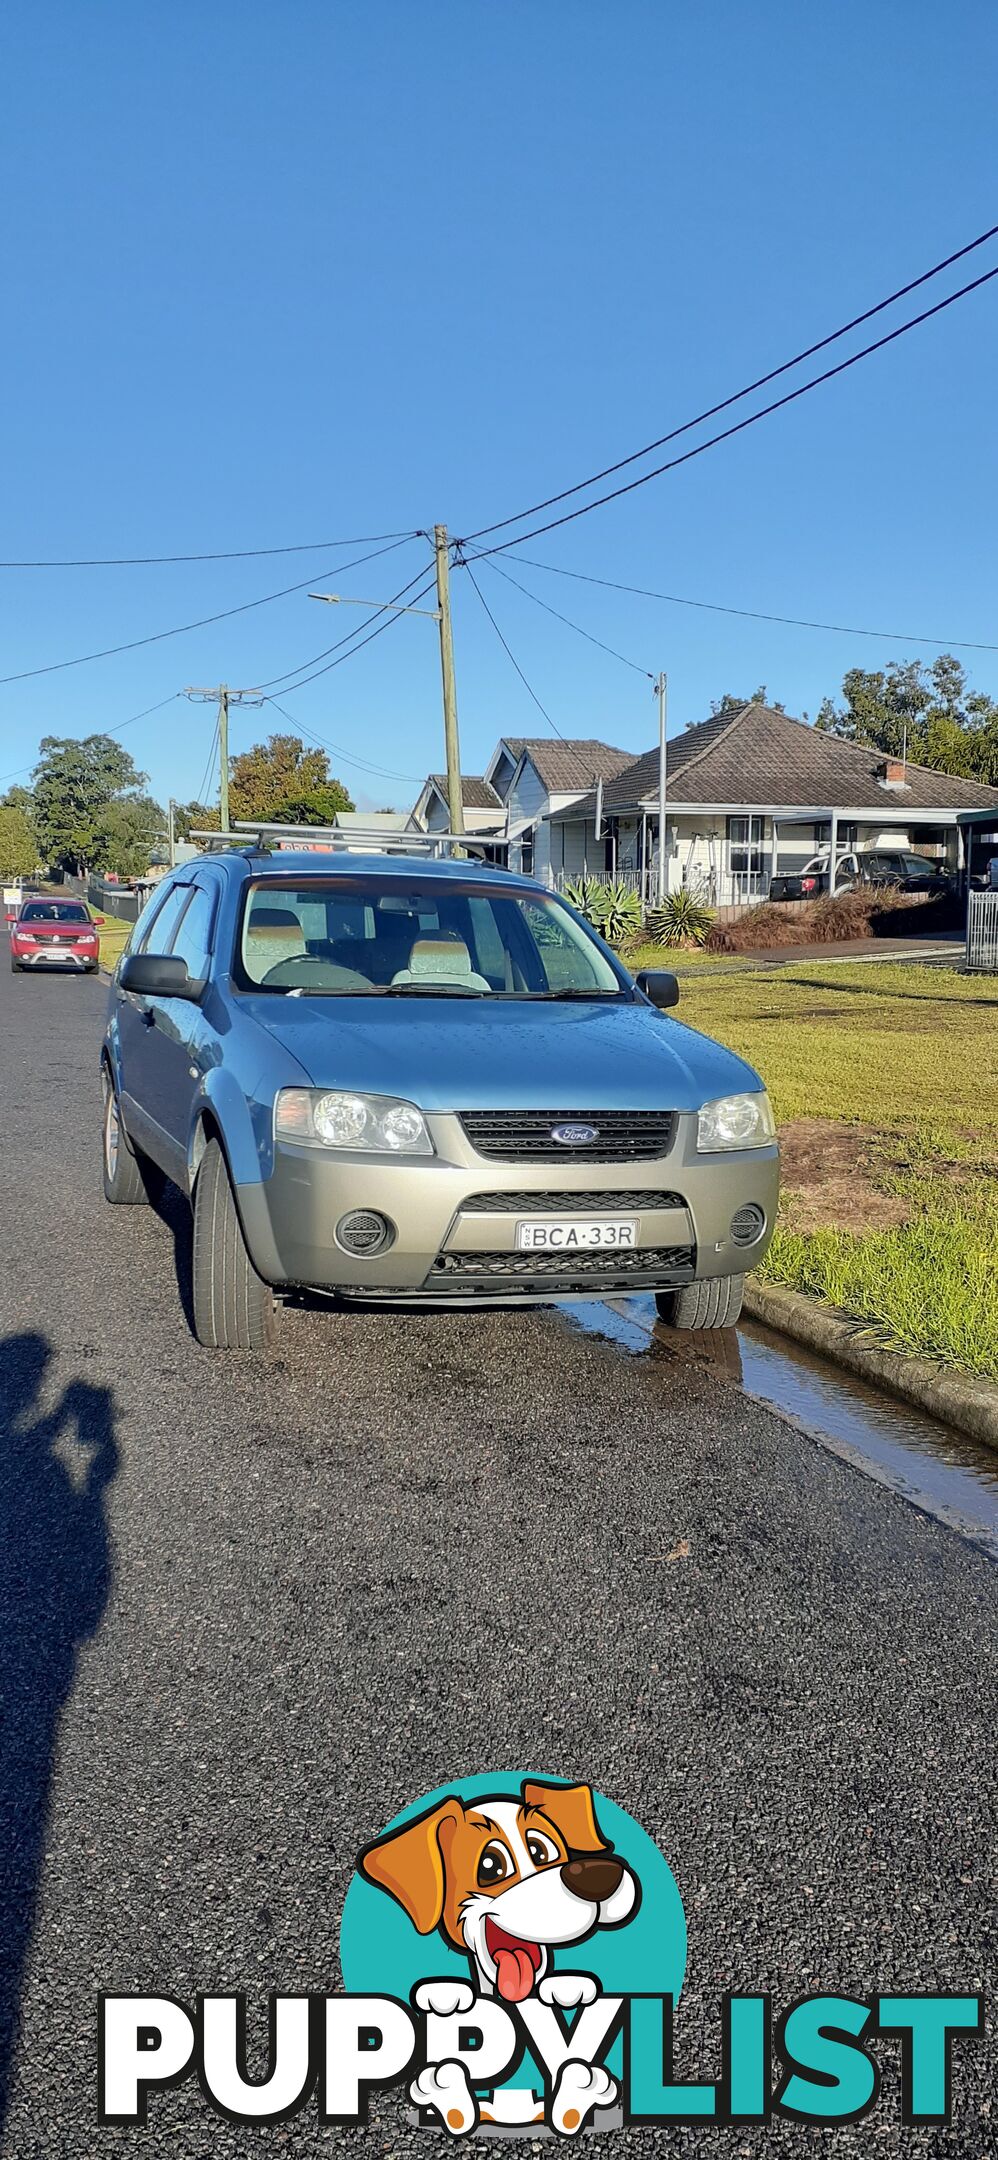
(54, 933)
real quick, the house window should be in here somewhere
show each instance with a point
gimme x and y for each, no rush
(745, 855)
(527, 854)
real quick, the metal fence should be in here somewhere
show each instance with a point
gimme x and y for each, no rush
(982, 932)
(109, 899)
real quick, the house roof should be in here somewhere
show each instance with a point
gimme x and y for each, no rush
(568, 766)
(759, 758)
(476, 792)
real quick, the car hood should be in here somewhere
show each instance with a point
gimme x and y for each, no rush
(465, 1054)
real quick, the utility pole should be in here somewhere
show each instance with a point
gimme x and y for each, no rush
(223, 756)
(455, 799)
(661, 692)
(173, 835)
(224, 697)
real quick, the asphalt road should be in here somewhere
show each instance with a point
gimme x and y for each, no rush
(247, 1613)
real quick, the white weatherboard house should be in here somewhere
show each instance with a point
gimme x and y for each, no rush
(752, 792)
(511, 804)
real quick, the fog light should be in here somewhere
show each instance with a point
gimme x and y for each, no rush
(362, 1231)
(747, 1225)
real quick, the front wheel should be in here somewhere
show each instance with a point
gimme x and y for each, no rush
(129, 1178)
(233, 1306)
(714, 1304)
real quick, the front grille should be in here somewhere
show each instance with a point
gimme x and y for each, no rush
(567, 1203)
(658, 1263)
(525, 1135)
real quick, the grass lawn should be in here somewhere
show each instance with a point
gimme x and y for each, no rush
(883, 1079)
(677, 957)
(113, 935)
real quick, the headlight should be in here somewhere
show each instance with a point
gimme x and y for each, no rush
(736, 1121)
(369, 1124)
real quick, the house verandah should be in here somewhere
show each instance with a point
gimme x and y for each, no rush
(730, 856)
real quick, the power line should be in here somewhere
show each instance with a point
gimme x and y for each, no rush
(711, 411)
(739, 425)
(382, 772)
(511, 656)
(123, 562)
(55, 667)
(715, 607)
(549, 610)
(119, 730)
(201, 795)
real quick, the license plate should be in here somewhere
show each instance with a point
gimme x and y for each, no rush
(569, 1234)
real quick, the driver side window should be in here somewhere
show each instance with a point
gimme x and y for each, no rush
(193, 939)
(157, 938)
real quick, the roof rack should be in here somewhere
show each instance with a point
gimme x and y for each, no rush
(249, 837)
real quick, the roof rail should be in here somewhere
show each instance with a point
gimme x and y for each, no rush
(250, 837)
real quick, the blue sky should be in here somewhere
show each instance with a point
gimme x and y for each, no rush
(282, 273)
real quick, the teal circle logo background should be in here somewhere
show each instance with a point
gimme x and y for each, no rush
(382, 1954)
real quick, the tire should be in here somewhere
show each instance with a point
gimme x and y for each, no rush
(713, 1304)
(129, 1178)
(15, 967)
(233, 1307)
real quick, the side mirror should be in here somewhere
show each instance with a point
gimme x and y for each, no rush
(101, 919)
(158, 975)
(660, 985)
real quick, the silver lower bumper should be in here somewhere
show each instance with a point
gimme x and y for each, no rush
(448, 1247)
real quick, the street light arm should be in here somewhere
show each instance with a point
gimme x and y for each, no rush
(389, 607)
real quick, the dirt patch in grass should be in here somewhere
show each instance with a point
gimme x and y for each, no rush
(829, 1176)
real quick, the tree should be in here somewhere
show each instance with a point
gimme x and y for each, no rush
(73, 783)
(279, 781)
(927, 713)
(19, 798)
(194, 817)
(18, 846)
(125, 832)
(724, 707)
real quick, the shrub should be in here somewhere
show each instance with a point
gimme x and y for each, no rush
(620, 913)
(682, 919)
(585, 895)
(868, 912)
(613, 909)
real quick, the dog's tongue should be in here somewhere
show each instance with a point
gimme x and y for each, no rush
(514, 1974)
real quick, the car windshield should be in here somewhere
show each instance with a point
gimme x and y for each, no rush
(54, 911)
(344, 937)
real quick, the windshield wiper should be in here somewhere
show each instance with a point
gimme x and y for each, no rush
(384, 990)
(551, 996)
(428, 989)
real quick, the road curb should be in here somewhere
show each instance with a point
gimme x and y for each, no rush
(956, 1399)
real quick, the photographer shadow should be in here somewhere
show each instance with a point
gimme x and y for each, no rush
(55, 1576)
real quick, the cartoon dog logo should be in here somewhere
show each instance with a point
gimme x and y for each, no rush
(509, 1880)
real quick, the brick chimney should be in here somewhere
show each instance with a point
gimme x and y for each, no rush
(893, 773)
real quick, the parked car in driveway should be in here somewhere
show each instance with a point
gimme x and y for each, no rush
(422, 1082)
(54, 933)
(902, 870)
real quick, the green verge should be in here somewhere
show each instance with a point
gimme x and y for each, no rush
(114, 935)
(911, 1054)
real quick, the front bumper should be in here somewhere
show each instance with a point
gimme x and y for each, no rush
(454, 1217)
(40, 956)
